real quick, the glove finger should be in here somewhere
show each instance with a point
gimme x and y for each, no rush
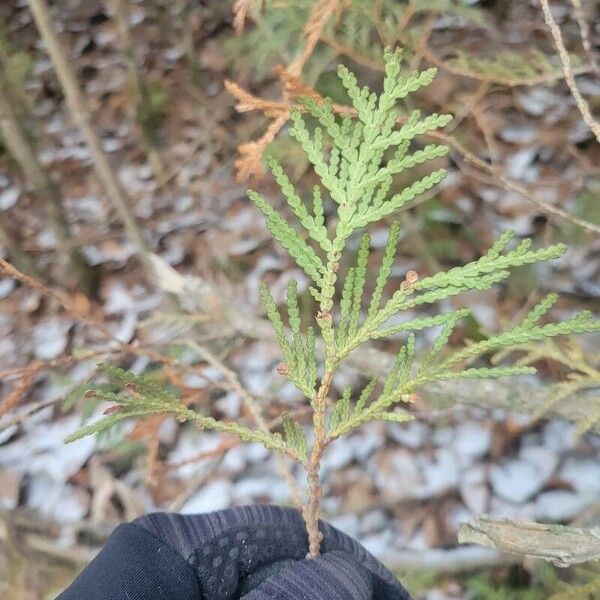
(333, 576)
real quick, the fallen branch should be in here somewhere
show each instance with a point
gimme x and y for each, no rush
(35, 535)
(562, 546)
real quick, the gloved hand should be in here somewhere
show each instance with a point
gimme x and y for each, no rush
(244, 553)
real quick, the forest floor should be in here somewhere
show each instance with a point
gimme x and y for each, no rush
(401, 490)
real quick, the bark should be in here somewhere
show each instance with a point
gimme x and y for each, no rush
(562, 546)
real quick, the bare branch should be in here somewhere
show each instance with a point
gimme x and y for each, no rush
(565, 60)
(584, 28)
(138, 88)
(562, 546)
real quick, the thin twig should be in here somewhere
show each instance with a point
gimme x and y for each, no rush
(584, 28)
(20, 389)
(565, 60)
(313, 467)
(509, 184)
(16, 253)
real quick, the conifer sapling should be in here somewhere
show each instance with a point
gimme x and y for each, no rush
(356, 160)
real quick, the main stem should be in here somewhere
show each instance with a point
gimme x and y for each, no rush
(313, 468)
(322, 440)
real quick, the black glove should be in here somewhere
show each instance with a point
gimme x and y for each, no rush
(244, 553)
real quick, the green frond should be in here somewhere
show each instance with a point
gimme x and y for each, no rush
(399, 374)
(357, 160)
(396, 202)
(448, 325)
(500, 244)
(414, 127)
(314, 225)
(277, 322)
(520, 334)
(357, 419)
(355, 171)
(133, 404)
(294, 436)
(143, 384)
(486, 373)
(271, 441)
(298, 349)
(341, 411)
(538, 311)
(316, 157)
(361, 403)
(395, 389)
(106, 423)
(418, 324)
(398, 416)
(391, 381)
(360, 276)
(305, 257)
(481, 274)
(311, 359)
(489, 264)
(319, 211)
(385, 269)
(408, 360)
(346, 303)
(292, 306)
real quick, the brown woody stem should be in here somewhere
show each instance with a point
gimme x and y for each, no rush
(313, 466)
